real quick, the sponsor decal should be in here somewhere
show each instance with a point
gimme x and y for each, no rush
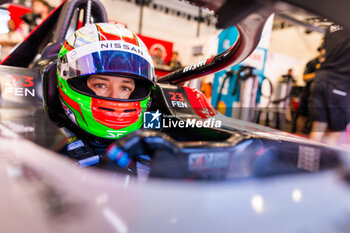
(115, 133)
(195, 66)
(106, 46)
(20, 86)
(179, 104)
(177, 100)
(155, 120)
(69, 113)
(121, 46)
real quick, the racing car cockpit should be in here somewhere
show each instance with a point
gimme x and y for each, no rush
(210, 147)
(217, 174)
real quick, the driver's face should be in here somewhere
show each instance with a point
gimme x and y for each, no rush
(111, 86)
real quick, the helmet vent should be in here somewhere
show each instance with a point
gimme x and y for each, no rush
(107, 109)
(129, 110)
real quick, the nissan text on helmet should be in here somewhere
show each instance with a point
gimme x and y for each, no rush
(105, 75)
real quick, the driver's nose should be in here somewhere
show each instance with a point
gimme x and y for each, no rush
(118, 93)
(114, 94)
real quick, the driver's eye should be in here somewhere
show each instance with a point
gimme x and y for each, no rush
(126, 88)
(100, 85)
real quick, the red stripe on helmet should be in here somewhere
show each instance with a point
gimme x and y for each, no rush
(68, 46)
(130, 40)
(115, 114)
(106, 36)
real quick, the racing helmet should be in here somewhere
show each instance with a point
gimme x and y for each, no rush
(109, 50)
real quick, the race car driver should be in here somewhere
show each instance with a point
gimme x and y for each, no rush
(105, 77)
(330, 91)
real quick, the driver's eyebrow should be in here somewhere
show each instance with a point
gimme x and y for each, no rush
(97, 77)
(127, 81)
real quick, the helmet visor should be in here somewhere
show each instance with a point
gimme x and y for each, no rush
(142, 88)
(109, 61)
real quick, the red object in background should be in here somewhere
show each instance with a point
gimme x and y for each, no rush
(295, 103)
(80, 24)
(16, 11)
(161, 72)
(116, 22)
(153, 43)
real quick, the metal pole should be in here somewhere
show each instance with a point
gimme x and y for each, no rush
(199, 20)
(141, 17)
(88, 12)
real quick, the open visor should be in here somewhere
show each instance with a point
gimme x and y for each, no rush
(108, 61)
